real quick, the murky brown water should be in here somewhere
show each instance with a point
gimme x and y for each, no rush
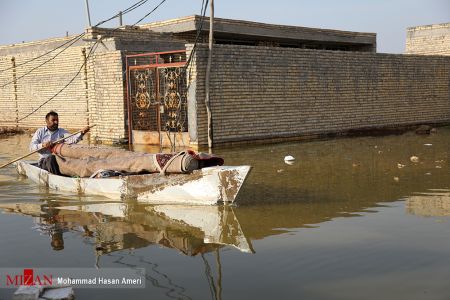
(352, 218)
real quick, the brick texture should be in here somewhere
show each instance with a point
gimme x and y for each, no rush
(429, 39)
(266, 92)
(257, 93)
(30, 91)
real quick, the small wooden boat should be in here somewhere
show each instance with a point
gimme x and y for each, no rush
(208, 186)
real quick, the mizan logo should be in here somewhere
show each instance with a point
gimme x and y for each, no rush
(28, 278)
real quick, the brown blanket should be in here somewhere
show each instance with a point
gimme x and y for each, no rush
(84, 161)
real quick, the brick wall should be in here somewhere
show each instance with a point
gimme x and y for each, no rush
(107, 107)
(32, 90)
(8, 93)
(95, 96)
(256, 92)
(264, 93)
(128, 33)
(429, 40)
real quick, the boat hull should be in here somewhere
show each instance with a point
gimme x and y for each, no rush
(206, 186)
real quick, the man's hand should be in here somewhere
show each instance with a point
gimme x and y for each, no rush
(85, 130)
(47, 145)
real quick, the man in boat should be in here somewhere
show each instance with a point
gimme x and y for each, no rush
(45, 137)
(98, 162)
(87, 161)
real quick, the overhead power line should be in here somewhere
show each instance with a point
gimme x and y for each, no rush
(199, 32)
(125, 11)
(91, 51)
(69, 83)
(52, 58)
(150, 12)
(46, 53)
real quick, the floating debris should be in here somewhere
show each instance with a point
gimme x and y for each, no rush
(396, 179)
(428, 173)
(28, 292)
(37, 292)
(428, 144)
(400, 166)
(424, 129)
(289, 158)
(58, 293)
(280, 171)
(414, 159)
(438, 167)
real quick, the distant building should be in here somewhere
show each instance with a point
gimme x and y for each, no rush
(428, 39)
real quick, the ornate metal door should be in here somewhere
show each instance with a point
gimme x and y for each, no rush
(173, 97)
(144, 100)
(157, 100)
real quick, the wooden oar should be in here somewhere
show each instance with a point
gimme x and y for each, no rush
(55, 142)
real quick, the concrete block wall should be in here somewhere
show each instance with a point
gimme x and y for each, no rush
(192, 101)
(128, 33)
(107, 107)
(267, 92)
(256, 92)
(95, 96)
(428, 40)
(33, 90)
(8, 93)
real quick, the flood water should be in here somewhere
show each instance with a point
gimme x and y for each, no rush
(351, 218)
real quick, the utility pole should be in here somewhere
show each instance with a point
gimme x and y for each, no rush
(208, 73)
(87, 13)
(120, 18)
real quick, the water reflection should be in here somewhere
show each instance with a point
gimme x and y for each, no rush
(435, 203)
(113, 226)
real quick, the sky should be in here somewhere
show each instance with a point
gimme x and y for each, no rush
(28, 20)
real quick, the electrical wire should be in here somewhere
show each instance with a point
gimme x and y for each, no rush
(125, 11)
(89, 54)
(150, 12)
(69, 83)
(199, 31)
(37, 57)
(50, 59)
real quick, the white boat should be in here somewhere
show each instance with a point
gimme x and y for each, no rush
(208, 186)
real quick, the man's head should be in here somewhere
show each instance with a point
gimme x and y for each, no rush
(57, 242)
(52, 120)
